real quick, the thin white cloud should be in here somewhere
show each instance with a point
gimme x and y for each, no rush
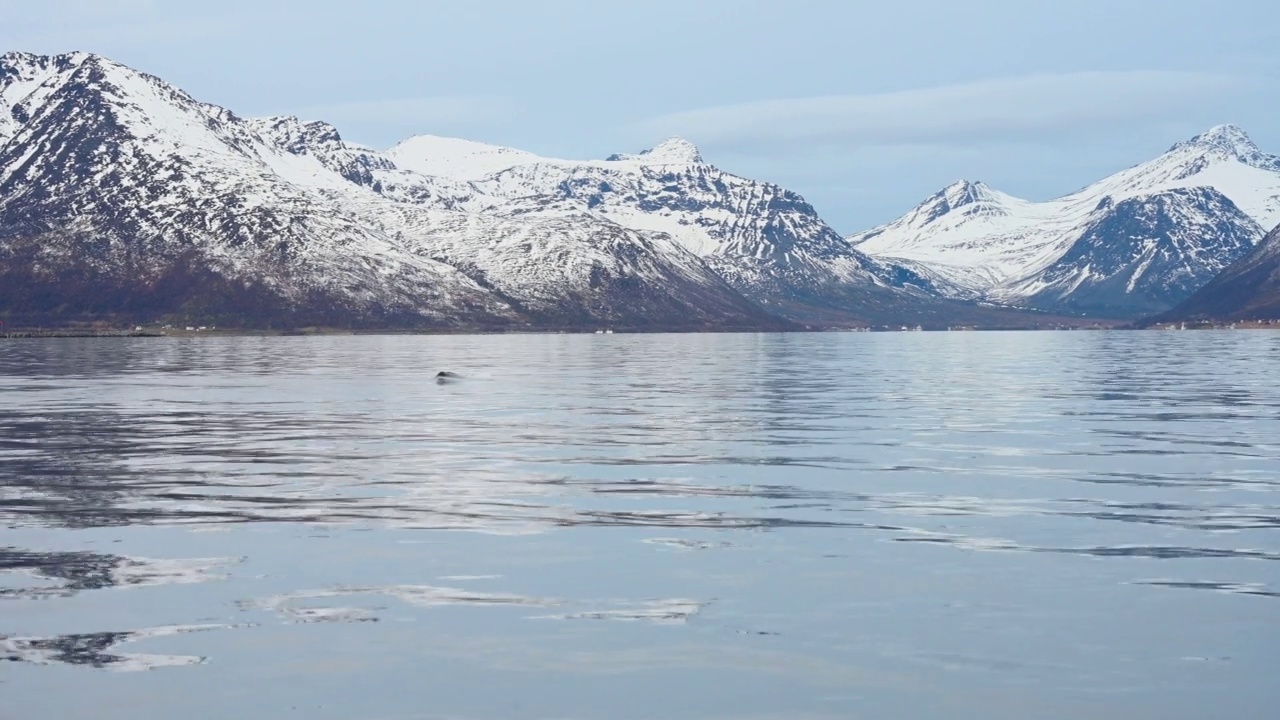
(1000, 109)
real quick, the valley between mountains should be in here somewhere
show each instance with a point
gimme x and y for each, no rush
(125, 200)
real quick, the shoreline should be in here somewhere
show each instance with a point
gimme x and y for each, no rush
(66, 333)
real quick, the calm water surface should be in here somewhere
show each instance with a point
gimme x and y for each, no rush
(916, 525)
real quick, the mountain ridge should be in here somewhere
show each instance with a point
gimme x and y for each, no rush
(112, 178)
(121, 192)
(114, 184)
(1005, 249)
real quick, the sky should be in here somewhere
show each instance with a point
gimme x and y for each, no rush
(864, 108)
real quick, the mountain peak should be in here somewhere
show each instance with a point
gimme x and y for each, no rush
(672, 151)
(1228, 142)
(964, 192)
(17, 60)
(966, 198)
(27, 78)
(25, 72)
(296, 135)
(1229, 139)
(456, 158)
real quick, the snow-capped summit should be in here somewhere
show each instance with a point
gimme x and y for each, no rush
(25, 67)
(975, 197)
(1186, 214)
(1225, 158)
(951, 233)
(1229, 141)
(456, 159)
(24, 81)
(961, 203)
(672, 151)
(964, 192)
(467, 160)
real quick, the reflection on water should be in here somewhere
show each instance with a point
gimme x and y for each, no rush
(77, 571)
(824, 522)
(1234, 588)
(96, 649)
(666, 611)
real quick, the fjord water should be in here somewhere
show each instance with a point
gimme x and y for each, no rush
(913, 525)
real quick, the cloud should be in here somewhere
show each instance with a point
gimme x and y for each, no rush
(976, 112)
(390, 120)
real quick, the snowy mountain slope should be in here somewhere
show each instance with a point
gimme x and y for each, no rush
(993, 245)
(23, 84)
(971, 234)
(579, 269)
(548, 266)
(123, 196)
(665, 189)
(765, 241)
(119, 193)
(116, 183)
(1142, 254)
(456, 159)
(1224, 158)
(1248, 289)
(465, 160)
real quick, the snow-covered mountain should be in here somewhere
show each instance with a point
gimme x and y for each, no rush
(122, 196)
(119, 192)
(1141, 254)
(1136, 242)
(1247, 290)
(764, 240)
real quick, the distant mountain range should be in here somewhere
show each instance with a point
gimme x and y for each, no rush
(1135, 243)
(122, 198)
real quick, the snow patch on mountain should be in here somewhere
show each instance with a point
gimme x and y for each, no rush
(454, 158)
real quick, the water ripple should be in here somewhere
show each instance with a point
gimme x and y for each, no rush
(798, 508)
